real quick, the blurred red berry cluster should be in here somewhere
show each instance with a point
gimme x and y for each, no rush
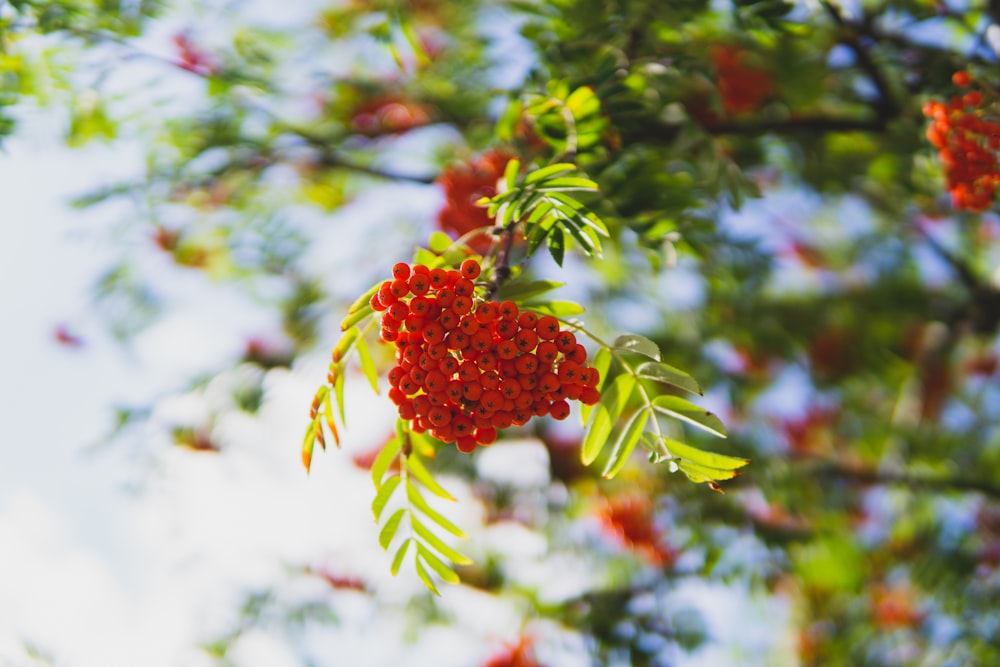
(466, 367)
(742, 87)
(464, 184)
(967, 144)
(388, 114)
(630, 519)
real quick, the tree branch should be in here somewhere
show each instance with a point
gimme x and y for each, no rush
(920, 481)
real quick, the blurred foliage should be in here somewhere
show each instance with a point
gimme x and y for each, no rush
(790, 243)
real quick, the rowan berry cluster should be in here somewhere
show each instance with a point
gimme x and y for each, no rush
(742, 87)
(467, 367)
(967, 144)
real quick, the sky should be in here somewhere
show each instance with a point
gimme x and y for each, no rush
(140, 553)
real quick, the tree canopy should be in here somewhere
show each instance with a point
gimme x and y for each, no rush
(764, 220)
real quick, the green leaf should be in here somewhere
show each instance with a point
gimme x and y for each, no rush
(414, 465)
(383, 495)
(328, 415)
(700, 457)
(389, 529)
(699, 474)
(439, 566)
(439, 243)
(557, 308)
(582, 102)
(548, 172)
(678, 408)
(308, 443)
(421, 504)
(590, 245)
(557, 245)
(625, 443)
(520, 291)
(510, 173)
(345, 343)
(607, 411)
(439, 545)
(426, 578)
(384, 460)
(338, 390)
(397, 560)
(355, 317)
(667, 374)
(507, 122)
(363, 300)
(601, 362)
(367, 364)
(639, 344)
(569, 184)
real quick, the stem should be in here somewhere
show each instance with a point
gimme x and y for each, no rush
(501, 271)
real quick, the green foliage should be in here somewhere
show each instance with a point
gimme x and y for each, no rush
(783, 234)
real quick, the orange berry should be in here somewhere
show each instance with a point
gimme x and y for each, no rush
(961, 79)
(485, 436)
(470, 269)
(486, 312)
(547, 327)
(508, 310)
(401, 271)
(559, 409)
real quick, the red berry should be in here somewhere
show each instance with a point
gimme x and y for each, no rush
(401, 271)
(470, 269)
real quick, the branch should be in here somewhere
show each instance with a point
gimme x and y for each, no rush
(665, 134)
(887, 106)
(918, 481)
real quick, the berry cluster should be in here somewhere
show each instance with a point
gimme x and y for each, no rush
(466, 367)
(742, 87)
(464, 185)
(967, 144)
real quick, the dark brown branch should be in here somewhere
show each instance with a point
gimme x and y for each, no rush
(665, 134)
(919, 481)
(502, 272)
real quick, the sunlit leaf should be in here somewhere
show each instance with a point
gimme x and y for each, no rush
(678, 408)
(367, 364)
(625, 442)
(338, 390)
(701, 457)
(439, 242)
(328, 416)
(308, 443)
(607, 411)
(389, 529)
(582, 102)
(415, 466)
(439, 566)
(425, 577)
(397, 560)
(437, 543)
(421, 504)
(345, 343)
(510, 173)
(557, 245)
(548, 172)
(638, 344)
(667, 374)
(557, 308)
(384, 493)
(601, 363)
(384, 460)
(568, 184)
(520, 291)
